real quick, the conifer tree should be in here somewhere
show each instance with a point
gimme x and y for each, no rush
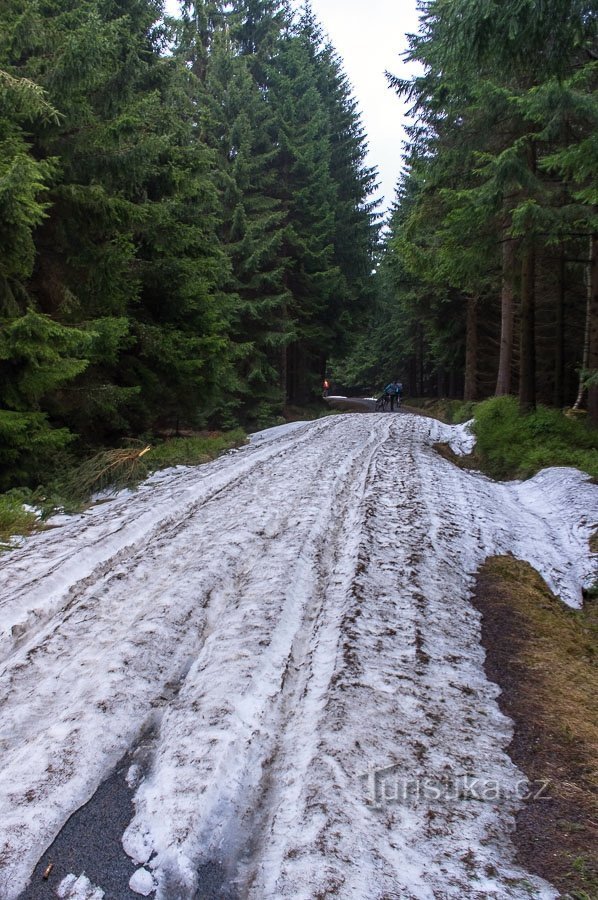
(36, 355)
(239, 126)
(355, 226)
(487, 68)
(128, 250)
(308, 195)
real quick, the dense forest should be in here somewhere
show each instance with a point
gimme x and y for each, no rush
(488, 280)
(188, 227)
(186, 222)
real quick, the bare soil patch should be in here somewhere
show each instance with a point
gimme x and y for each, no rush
(544, 656)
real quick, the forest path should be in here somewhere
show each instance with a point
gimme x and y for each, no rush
(293, 623)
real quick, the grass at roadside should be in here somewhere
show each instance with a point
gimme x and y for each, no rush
(14, 518)
(544, 657)
(453, 412)
(107, 470)
(511, 445)
(192, 451)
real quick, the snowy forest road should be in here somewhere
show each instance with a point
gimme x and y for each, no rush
(292, 623)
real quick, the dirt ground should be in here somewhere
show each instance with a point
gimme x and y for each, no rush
(539, 653)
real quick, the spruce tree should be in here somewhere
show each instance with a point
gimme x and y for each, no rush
(355, 227)
(308, 196)
(128, 250)
(238, 126)
(479, 103)
(36, 355)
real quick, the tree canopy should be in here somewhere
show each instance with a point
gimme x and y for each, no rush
(186, 228)
(488, 274)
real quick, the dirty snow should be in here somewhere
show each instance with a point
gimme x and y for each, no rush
(268, 434)
(461, 438)
(78, 888)
(294, 622)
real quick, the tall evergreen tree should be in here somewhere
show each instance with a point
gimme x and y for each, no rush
(355, 226)
(186, 214)
(324, 189)
(486, 68)
(308, 194)
(36, 355)
(238, 125)
(132, 214)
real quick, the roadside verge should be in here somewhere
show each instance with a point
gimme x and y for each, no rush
(544, 657)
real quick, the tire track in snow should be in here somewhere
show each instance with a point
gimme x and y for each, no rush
(137, 629)
(408, 692)
(54, 567)
(378, 621)
(235, 760)
(385, 708)
(302, 663)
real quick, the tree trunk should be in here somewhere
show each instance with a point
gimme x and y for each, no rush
(503, 381)
(299, 393)
(592, 329)
(527, 360)
(559, 349)
(453, 390)
(585, 353)
(421, 362)
(284, 355)
(471, 350)
(413, 376)
(284, 375)
(322, 364)
(593, 316)
(441, 383)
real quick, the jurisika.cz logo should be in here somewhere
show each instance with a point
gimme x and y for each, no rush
(390, 785)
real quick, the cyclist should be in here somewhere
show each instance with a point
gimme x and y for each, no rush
(394, 391)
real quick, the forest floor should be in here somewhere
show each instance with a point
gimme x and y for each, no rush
(267, 675)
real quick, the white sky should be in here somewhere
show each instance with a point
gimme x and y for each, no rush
(369, 35)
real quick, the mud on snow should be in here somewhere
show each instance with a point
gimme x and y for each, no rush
(292, 625)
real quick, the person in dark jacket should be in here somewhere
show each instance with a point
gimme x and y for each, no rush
(394, 391)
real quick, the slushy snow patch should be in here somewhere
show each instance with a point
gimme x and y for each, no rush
(270, 434)
(81, 888)
(32, 509)
(133, 776)
(294, 622)
(462, 440)
(142, 882)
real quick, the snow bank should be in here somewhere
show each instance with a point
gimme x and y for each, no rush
(141, 882)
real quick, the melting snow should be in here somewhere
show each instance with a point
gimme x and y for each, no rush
(142, 882)
(294, 621)
(81, 888)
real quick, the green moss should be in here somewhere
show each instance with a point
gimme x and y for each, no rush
(509, 444)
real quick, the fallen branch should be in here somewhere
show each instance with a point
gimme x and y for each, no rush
(108, 470)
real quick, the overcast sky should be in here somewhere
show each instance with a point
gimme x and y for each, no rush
(369, 35)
